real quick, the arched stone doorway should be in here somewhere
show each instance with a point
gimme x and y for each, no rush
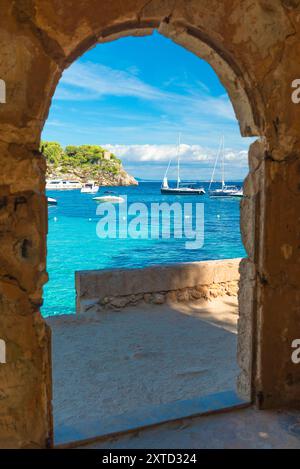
(253, 46)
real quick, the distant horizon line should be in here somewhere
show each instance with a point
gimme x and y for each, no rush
(184, 180)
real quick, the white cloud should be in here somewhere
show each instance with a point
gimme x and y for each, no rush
(96, 81)
(163, 153)
(89, 81)
(55, 123)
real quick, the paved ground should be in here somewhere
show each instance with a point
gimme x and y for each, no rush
(245, 428)
(112, 363)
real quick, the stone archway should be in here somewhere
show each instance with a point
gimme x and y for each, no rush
(253, 46)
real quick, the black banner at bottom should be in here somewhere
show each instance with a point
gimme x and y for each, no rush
(138, 458)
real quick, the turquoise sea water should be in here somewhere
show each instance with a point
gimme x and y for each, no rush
(73, 243)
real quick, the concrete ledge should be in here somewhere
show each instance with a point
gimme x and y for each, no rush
(151, 416)
(131, 285)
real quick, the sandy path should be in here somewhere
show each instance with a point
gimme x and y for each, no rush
(114, 362)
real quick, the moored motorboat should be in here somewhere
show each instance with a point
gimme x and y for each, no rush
(89, 188)
(51, 201)
(62, 184)
(109, 198)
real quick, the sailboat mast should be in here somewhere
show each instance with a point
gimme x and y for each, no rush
(178, 161)
(215, 165)
(167, 170)
(223, 169)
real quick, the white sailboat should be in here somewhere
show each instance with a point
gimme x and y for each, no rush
(180, 189)
(224, 191)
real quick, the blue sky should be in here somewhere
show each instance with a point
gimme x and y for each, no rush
(135, 95)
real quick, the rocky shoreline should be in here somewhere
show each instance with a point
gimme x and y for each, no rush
(122, 178)
(85, 163)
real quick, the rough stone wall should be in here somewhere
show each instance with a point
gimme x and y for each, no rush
(184, 295)
(251, 228)
(254, 46)
(117, 288)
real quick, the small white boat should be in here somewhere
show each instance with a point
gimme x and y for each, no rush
(51, 201)
(224, 191)
(227, 191)
(62, 184)
(109, 198)
(89, 188)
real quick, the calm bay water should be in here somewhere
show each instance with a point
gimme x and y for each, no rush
(73, 243)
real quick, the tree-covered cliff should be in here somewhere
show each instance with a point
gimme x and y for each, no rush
(85, 162)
